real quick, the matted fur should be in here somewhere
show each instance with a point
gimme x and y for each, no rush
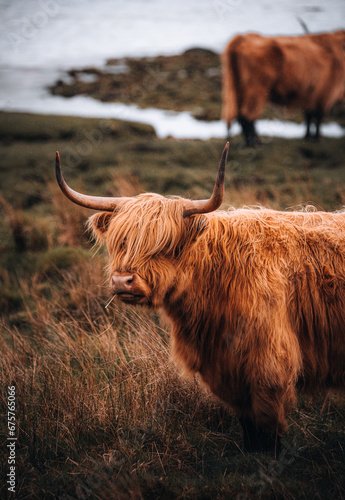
(306, 72)
(255, 297)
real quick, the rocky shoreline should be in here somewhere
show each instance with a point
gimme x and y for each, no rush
(190, 81)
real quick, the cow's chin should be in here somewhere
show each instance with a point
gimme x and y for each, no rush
(133, 298)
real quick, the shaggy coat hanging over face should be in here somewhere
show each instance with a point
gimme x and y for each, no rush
(256, 298)
(305, 72)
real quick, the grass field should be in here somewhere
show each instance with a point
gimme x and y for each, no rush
(101, 410)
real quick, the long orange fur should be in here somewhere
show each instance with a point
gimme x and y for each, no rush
(255, 297)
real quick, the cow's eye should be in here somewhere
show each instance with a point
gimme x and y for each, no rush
(123, 244)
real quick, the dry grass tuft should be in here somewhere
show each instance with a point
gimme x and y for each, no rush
(127, 186)
(70, 222)
(87, 378)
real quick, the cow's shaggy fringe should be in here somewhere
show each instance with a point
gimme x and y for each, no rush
(255, 297)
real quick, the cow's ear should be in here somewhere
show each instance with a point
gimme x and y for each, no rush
(99, 223)
(196, 225)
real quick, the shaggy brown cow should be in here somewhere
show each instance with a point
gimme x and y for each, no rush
(306, 72)
(256, 298)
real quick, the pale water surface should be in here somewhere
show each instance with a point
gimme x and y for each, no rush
(40, 40)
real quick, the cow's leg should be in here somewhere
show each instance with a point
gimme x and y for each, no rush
(265, 419)
(318, 119)
(248, 129)
(308, 116)
(315, 116)
(259, 440)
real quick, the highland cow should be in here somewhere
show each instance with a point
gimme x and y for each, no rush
(305, 72)
(255, 297)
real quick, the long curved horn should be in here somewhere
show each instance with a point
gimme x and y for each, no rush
(95, 202)
(206, 206)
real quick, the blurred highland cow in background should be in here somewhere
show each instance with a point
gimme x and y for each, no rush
(305, 72)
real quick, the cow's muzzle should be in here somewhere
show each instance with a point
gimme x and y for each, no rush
(128, 288)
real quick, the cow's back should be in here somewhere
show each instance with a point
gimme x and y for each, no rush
(312, 73)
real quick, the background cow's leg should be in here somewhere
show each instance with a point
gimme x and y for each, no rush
(308, 116)
(248, 129)
(256, 439)
(315, 116)
(318, 119)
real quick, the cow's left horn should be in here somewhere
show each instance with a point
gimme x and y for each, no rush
(206, 206)
(94, 202)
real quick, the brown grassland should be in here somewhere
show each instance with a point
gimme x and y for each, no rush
(101, 410)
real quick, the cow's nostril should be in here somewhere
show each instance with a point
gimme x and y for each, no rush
(122, 283)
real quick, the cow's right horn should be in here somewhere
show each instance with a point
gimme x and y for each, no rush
(94, 202)
(206, 206)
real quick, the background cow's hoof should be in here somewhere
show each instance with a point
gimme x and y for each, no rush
(312, 138)
(253, 142)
